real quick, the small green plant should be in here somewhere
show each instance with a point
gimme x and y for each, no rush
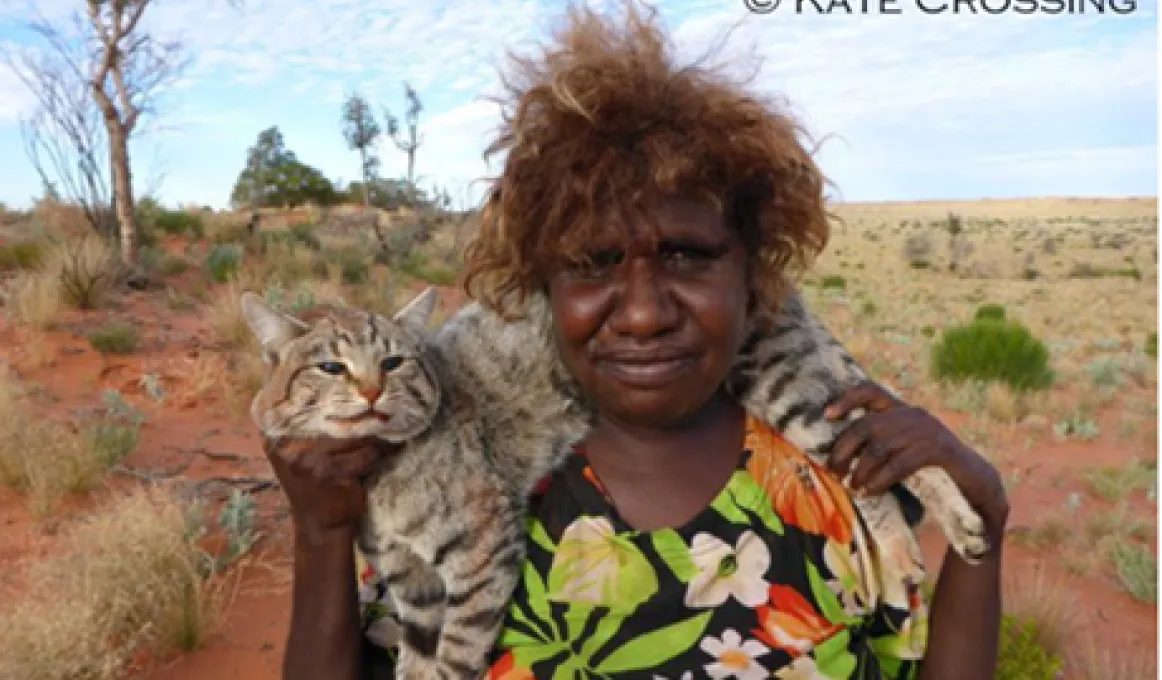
(305, 234)
(115, 435)
(833, 282)
(1021, 656)
(236, 519)
(1115, 482)
(1152, 344)
(290, 302)
(990, 350)
(180, 223)
(353, 267)
(990, 312)
(1104, 371)
(928, 331)
(223, 261)
(1137, 570)
(416, 266)
(172, 265)
(115, 337)
(1077, 426)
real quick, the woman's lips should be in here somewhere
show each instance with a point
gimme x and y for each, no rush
(645, 372)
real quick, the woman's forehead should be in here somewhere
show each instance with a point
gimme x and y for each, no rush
(675, 218)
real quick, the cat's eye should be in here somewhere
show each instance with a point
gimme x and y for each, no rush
(391, 363)
(332, 367)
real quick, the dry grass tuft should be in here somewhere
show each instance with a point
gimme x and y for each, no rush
(34, 299)
(41, 458)
(1047, 602)
(128, 580)
(85, 270)
(226, 317)
(1088, 663)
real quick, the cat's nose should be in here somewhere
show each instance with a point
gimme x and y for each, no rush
(371, 393)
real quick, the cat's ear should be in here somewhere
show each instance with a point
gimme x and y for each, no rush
(272, 328)
(418, 312)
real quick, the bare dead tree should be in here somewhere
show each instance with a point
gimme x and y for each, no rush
(414, 139)
(64, 138)
(124, 70)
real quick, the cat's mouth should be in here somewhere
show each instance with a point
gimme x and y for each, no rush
(361, 417)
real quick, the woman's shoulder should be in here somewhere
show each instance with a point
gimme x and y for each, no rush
(802, 492)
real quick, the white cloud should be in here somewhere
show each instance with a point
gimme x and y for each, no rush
(900, 91)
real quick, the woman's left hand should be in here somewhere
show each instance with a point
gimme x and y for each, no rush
(895, 439)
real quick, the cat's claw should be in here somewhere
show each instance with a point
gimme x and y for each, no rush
(966, 533)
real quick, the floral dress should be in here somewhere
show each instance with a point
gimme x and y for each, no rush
(777, 577)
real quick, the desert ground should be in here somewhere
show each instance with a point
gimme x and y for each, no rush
(144, 536)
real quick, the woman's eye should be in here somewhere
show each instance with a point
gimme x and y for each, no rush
(597, 264)
(332, 367)
(391, 363)
(686, 255)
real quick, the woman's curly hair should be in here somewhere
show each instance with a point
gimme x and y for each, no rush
(605, 117)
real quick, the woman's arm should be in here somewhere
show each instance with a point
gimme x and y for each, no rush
(325, 639)
(964, 621)
(322, 479)
(886, 446)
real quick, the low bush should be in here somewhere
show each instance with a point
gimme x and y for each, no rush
(992, 350)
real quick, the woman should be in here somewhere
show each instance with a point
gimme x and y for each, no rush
(659, 207)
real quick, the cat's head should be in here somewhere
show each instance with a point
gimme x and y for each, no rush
(344, 372)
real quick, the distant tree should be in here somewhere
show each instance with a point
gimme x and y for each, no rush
(414, 139)
(274, 177)
(361, 129)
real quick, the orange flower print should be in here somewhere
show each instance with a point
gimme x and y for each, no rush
(506, 669)
(803, 494)
(790, 623)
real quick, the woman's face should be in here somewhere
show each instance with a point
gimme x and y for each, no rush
(650, 332)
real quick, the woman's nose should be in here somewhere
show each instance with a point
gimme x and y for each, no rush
(644, 307)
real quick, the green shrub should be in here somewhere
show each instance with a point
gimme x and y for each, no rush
(994, 312)
(223, 261)
(836, 282)
(416, 266)
(1021, 656)
(928, 331)
(1152, 344)
(353, 265)
(115, 337)
(992, 350)
(21, 255)
(305, 234)
(180, 223)
(172, 265)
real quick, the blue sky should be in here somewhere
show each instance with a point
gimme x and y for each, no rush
(915, 106)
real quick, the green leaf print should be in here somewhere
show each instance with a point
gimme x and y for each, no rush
(656, 647)
(595, 566)
(539, 535)
(607, 627)
(833, 657)
(538, 602)
(829, 603)
(743, 493)
(674, 552)
(726, 504)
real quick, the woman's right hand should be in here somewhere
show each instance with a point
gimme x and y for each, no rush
(323, 481)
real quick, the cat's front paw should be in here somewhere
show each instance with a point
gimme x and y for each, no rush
(965, 531)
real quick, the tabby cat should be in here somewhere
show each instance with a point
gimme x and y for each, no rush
(486, 410)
